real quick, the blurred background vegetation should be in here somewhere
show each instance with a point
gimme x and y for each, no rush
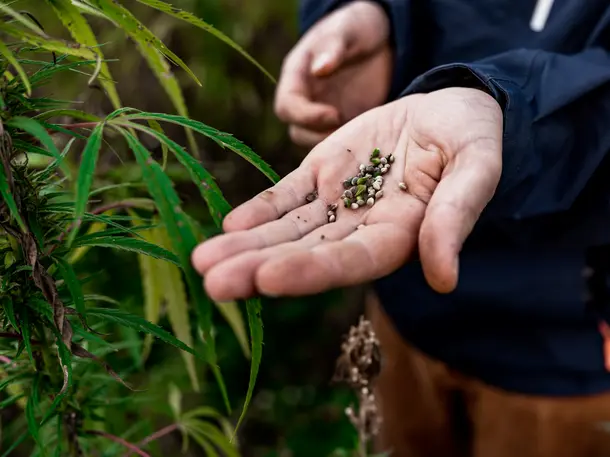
(295, 411)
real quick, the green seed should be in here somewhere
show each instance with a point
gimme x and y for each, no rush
(361, 181)
(347, 202)
(375, 153)
(361, 190)
(375, 161)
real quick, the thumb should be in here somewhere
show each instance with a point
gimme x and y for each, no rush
(454, 208)
(329, 58)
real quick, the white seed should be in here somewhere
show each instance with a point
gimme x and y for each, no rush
(360, 202)
(371, 191)
(362, 167)
(380, 179)
(332, 218)
(377, 185)
(383, 160)
(355, 206)
(370, 201)
(330, 213)
(402, 186)
(391, 158)
(378, 195)
(384, 171)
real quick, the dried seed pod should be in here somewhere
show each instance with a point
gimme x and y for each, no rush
(402, 186)
(370, 169)
(370, 201)
(354, 181)
(354, 206)
(378, 194)
(332, 218)
(347, 183)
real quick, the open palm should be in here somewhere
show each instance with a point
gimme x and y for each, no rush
(447, 149)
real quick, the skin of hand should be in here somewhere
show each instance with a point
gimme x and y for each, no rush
(339, 69)
(448, 150)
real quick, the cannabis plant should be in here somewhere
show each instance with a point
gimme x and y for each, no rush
(52, 214)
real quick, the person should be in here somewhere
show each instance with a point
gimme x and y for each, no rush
(498, 118)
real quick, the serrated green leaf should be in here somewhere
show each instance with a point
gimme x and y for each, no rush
(83, 34)
(140, 324)
(205, 182)
(74, 286)
(197, 22)
(183, 241)
(30, 415)
(221, 138)
(8, 55)
(37, 130)
(85, 176)
(151, 287)
(27, 336)
(47, 43)
(130, 244)
(254, 309)
(76, 114)
(9, 199)
(212, 434)
(155, 53)
(230, 311)
(172, 285)
(23, 19)
(9, 311)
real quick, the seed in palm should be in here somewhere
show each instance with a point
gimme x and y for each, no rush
(365, 188)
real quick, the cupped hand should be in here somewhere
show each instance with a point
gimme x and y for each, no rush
(447, 148)
(339, 69)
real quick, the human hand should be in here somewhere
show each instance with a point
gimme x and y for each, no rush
(447, 147)
(340, 68)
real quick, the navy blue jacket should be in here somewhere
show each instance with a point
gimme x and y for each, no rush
(517, 319)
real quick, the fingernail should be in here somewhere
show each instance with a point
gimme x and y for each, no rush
(323, 60)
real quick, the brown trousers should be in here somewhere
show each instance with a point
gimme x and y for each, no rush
(429, 410)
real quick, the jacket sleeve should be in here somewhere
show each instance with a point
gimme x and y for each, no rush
(398, 11)
(556, 123)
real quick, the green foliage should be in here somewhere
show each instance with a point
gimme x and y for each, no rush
(51, 218)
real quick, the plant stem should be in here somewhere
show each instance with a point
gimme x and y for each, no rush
(119, 440)
(155, 436)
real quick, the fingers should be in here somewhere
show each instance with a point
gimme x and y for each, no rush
(293, 103)
(334, 255)
(307, 138)
(235, 278)
(359, 258)
(329, 59)
(293, 226)
(455, 206)
(273, 203)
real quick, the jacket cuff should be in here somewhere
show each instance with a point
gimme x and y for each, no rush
(517, 143)
(397, 11)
